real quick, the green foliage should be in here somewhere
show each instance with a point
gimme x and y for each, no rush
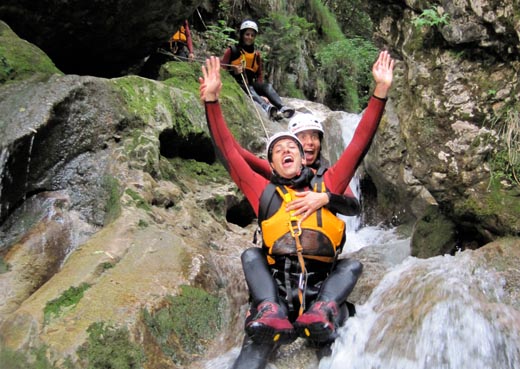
(326, 21)
(353, 17)
(69, 298)
(288, 39)
(346, 66)
(218, 37)
(505, 164)
(186, 325)
(430, 17)
(109, 347)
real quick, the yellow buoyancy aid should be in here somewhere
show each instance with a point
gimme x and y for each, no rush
(251, 61)
(179, 36)
(320, 235)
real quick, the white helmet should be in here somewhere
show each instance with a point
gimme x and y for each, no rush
(304, 122)
(278, 136)
(249, 24)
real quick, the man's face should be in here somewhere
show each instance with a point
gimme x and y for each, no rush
(249, 37)
(286, 159)
(310, 140)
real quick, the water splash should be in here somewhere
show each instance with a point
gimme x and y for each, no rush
(440, 313)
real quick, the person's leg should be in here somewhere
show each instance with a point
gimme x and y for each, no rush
(270, 109)
(328, 312)
(267, 90)
(267, 321)
(253, 355)
(262, 286)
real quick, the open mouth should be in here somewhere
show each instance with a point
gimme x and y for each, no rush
(309, 155)
(287, 160)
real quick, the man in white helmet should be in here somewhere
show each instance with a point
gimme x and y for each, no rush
(245, 65)
(297, 284)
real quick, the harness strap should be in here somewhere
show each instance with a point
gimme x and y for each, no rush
(296, 231)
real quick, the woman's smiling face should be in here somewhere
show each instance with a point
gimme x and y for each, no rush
(248, 38)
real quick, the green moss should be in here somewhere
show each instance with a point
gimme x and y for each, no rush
(4, 267)
(142, 223)
(138, 200)
(181, 74)
(186, 325)
(69, 298)
(113, 205)
(144, 98)
(496, 202)
(109, 347)
(36, 359)
(20, 60)
(202, 172)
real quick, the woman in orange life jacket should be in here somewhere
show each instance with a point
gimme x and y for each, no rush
(308, 295)
(245, 64)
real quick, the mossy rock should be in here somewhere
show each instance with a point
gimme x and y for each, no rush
(20, 60)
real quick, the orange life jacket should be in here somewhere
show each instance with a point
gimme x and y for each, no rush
(321, 234)
(179, 36)
(251, 61)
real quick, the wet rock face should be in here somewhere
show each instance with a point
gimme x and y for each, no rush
(100, 38)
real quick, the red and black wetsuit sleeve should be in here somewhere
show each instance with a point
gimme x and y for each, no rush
(259, 77)
(250, 183)
(226, 59)
(189, 42)
(260, 166)
(339, 175)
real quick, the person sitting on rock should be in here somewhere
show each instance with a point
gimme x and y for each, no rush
(245, 64)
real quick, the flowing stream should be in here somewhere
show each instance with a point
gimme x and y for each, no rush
(445, 312)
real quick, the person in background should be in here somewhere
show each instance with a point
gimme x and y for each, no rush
(245, 64)
(180, 43)
(307, 296)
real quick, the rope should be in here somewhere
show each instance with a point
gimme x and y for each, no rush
(243, 76)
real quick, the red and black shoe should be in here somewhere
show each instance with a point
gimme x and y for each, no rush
(270, 325)
(319, 322)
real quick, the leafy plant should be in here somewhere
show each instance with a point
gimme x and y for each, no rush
(346, 66)
(109, 347)
(186, 324)
(430, 17)
(506, 162)
(218, 37)
(70, 297)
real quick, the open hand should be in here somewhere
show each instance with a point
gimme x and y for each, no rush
(307, 202)
(382, 71)
(210, 82)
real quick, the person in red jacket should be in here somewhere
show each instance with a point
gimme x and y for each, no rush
(245, 65)
(181, 44)
(307, 296)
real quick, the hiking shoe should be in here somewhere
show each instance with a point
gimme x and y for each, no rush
(319, 322)
(270, 324)
(273, 112)
(287, 112)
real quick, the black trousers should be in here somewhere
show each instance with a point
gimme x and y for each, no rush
(265, 89)
(268, 283)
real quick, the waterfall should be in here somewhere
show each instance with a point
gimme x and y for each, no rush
(438, 313)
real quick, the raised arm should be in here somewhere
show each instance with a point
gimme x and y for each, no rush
(249, 182)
